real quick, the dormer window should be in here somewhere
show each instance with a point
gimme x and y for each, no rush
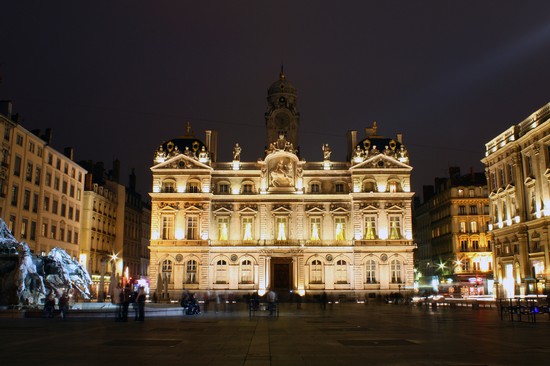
(223, 188)
(315, 188)
(247, 188)
(168, 186)
(193, 187)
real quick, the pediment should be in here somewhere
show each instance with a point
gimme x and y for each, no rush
(181, 161)
(315, 210)
(339, 210)
(381, 161)
(192, 209)
(248, 210)
(281, 210)
(369, 208)
(222, 211)
(169, 208)
(394, 208)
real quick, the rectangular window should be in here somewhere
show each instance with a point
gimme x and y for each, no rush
(46, 203)
(247, 228)
(528, 166)
(462, 210)
(64, 187)
(24, 223)
(464, 245)
(370, 227)
(35, 202)
(71, 212)
(192, 228)
(77, 215)
(11, 223)
(33, 230)
(61, 234)
(473, 210)
(315, 223)
(475, 245)
(56, 183)
(48, 179)
(167, 227)
(55, 205)
(53, 232)
(28, 172)
(71, 190)
(63, 209)
(69, 236)
(37, 174)
(395, 227)
(281, 228)
(223, 228)
(19, 140)
(462, 226)
(44, 231)
(14, 195)
(339, 188)
(339, 228)
(17, 166)
(78, 192)
(26, 199)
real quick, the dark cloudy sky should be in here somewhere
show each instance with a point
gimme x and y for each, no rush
(116, 78)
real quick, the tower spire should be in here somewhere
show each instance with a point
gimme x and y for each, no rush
(282, 73)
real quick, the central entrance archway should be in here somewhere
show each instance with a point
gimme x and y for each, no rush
(281, 277)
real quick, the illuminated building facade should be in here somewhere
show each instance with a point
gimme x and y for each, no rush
(451, 231)
(517, 163)
(281, 223)
(40, 188)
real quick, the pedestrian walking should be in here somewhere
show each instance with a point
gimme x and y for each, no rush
(63, 304)
(140, 300)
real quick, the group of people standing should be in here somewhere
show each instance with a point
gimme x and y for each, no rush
(123, 297)
(62, 304)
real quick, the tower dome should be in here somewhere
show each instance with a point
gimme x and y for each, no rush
(187, 144)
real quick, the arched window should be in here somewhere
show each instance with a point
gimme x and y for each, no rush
(221, 271)
(191, 272)
(370, 271)
(193, 187)
(166, 271)
(341, 271)
(168, 186)
(316, 272)
(247, 274)
(395, 268)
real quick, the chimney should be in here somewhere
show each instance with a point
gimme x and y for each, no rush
(48, 136)
(352, 141)
(115, 173)
(6, 108)
(212, 144)
(132, 180)
(68, 152)
(454, 173)
(88, 183)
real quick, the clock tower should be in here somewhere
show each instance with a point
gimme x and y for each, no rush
(282, 117)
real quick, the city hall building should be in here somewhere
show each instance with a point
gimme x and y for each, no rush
(282, 223)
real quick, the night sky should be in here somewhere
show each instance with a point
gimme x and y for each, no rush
(114, 79)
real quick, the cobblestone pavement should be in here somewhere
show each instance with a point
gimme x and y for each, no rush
(343, 334)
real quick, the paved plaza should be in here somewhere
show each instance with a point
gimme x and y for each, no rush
(343, 334)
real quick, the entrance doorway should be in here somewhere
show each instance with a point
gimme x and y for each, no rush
(281, 277)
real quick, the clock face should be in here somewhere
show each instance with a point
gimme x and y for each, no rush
(282, 120)
(282, 100)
